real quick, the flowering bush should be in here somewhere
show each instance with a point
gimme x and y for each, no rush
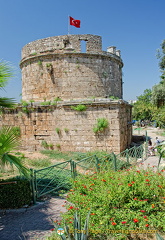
(119, 202)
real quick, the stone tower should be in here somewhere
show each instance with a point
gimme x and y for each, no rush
(57, 67)
(57, 79)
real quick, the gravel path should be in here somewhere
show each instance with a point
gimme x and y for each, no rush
(31, 223)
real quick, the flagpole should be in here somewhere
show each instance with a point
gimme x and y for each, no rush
(68, 26)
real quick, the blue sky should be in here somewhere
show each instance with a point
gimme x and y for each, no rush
(133, 26)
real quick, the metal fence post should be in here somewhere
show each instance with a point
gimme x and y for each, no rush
(114, 161)
(74, 169)
(136, 155)
(159, 159)
(71, 168)
(33, 185)
(127, 155)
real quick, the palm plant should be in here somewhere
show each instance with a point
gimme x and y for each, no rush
(5, 74)
(9, 137)
(9, 141)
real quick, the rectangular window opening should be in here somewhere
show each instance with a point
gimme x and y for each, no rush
(83, 46)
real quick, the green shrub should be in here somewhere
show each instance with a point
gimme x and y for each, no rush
(58, 130)
(66, 130)
(15, 195)
(102, 124)
(57, 99)
(24, 103)
(125, 200)
(46, 103)
(45, 144)
(113, 97)
(79, 108)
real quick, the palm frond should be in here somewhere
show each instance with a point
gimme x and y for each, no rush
(9, 139)
(7, 159)
(6, 72)
(7, 102)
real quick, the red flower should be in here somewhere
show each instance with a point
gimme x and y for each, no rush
(71, 207)
(135, 198)
(142, 210)
(147, 225)
(92, 213)
(138, 171)
(52, 229)
(145, 216)
(123, 222)
(136, 220)
(147, 180)
(113, 223)
(132, 182)
(160, 186)
(129, 184)
(103, 180)
(145, 200)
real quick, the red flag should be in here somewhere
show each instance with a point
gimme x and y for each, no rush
(74, 22)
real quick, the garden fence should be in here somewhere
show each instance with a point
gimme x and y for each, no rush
(57, 177)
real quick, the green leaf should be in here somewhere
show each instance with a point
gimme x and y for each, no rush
(158, 237)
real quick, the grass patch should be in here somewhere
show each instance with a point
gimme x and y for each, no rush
(39, 163)
(53, 154)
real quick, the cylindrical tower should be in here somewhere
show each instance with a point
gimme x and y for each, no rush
(58, 67)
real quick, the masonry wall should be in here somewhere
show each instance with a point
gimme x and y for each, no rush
(56, 67)
(76, 128)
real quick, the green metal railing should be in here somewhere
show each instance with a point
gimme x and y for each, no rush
(50, 179)
(57, 177)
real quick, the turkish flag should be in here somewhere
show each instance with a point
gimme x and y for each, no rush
(74, 22)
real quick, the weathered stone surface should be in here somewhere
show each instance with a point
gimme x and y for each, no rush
(75, 128)
(48, 73)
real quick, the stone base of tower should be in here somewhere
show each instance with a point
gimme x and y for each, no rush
(66, 129)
